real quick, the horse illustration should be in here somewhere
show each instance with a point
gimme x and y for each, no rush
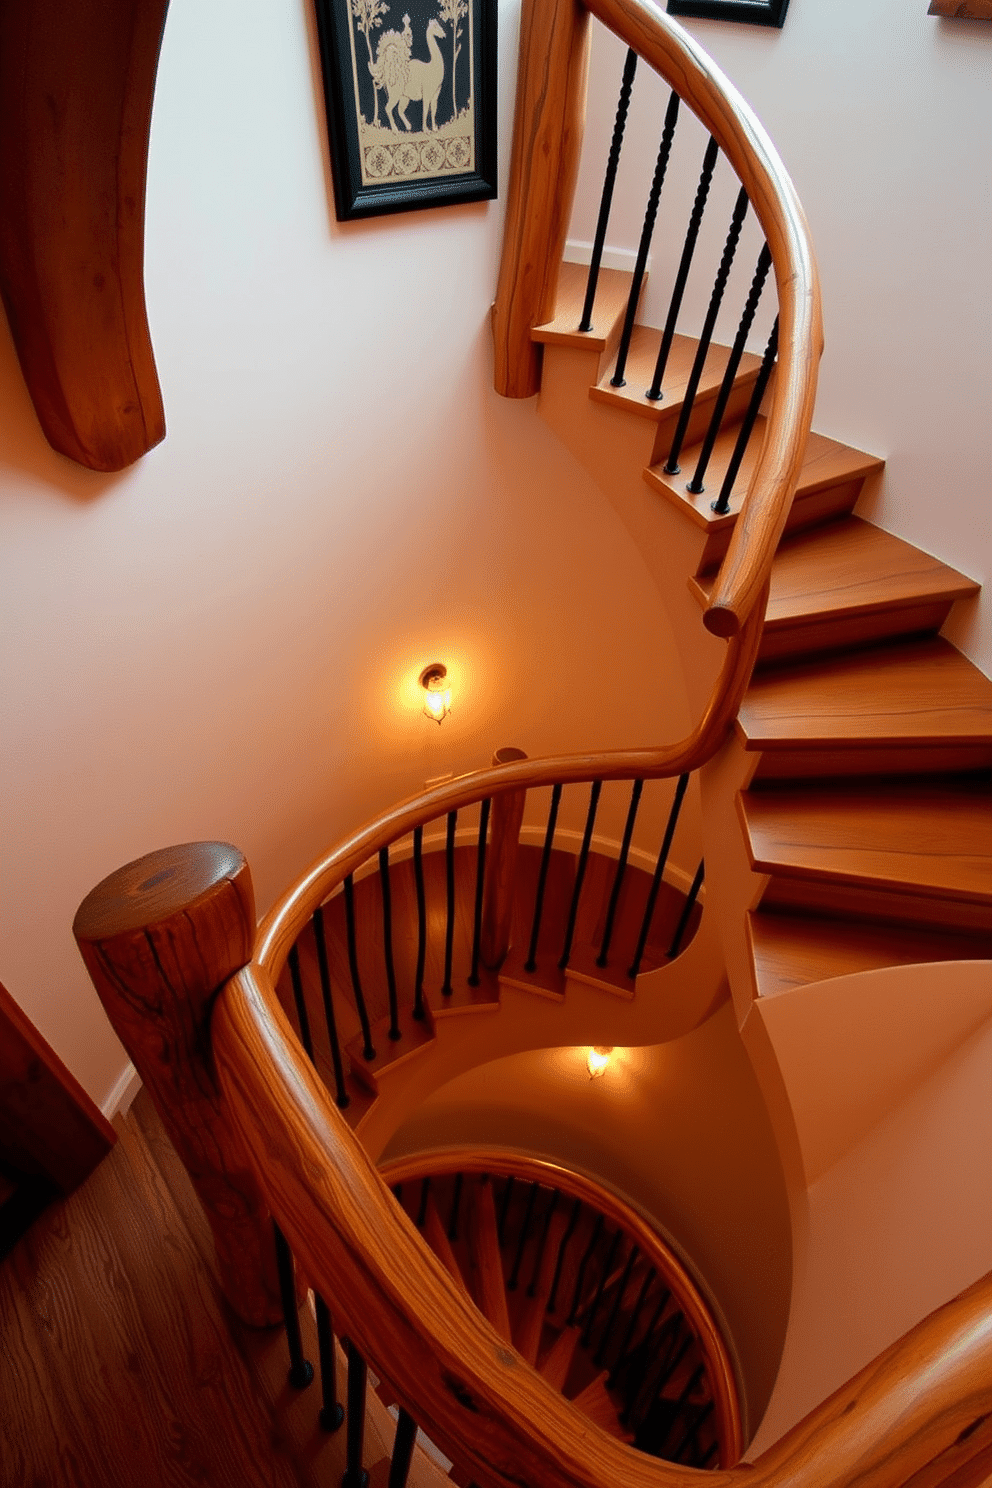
(406, 79)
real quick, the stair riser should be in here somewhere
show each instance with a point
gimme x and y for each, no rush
(699, 419)
(838, 632)
(858, 902)
(885, 761)
(809, 509)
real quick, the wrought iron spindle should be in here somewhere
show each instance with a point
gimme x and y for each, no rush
(706, 336)
(368, 1048)
(611, 1322)
(355, 1475)
(628, 832)
(331, 1410)
(687, 908)
(456, 1203)
(387, 944)
(300, 1368)
(320, 941)
(647, 231)
(685, 264)
(722, 503)
(609, 181)
(597, 1230)
(480, 881)
(543, 1244)
(418, 878)
(580, 873)
(643, 1387)
(691, 1384)
(634, 1322)
(511, 1285)
(449, 878)
(702, 1415)
(659, 872)
(504, 1207)
(604, 1277)
(403, 1443)
(710, 1453)
(302, 1016)
(542, 878)
(659, 1368)
(696, 486)
(425, 1193)
(563, 1247)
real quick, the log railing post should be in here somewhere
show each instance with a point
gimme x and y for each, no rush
(160, 937)
(547, 141)
(501, 871)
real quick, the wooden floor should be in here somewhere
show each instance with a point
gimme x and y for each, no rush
(120, 1366)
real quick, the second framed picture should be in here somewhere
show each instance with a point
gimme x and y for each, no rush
(410, 92)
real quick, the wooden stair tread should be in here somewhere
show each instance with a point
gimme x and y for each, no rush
(826, 463)
(794, 950)
(594, 1401)
(437, 1238)
(924, 691)
(487, 1262)
(639, 372)
(612, 292)
(527, 1339)
(935, 839)
(558, 1360)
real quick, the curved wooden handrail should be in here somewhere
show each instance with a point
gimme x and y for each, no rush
(532, 249)
(920, 1414)
(282, 924)
(684, 1289)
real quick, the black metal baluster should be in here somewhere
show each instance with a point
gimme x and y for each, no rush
(504, 1207)
(302, 1017)
(611, 1322)
(673, 817)
(355, 1475)
(722, 503)
(580, 873)
(710, 1452)
(456, 1202)
(542, 1247)
(449, 926)
(542, 878)
(300, 1368)
(647, 231)
(643, 1391)
(511, 1285)
(680, 929)
(683, 1399)
(331, 1411)
(706, 335)
(425, 1191)
(480, 879)
(604, 1277)
(696, 486)
(342, 1097)
(635, 1318)
(682, 277)
(570, 1231)
(597, 1230)
(628, 831)
(403, 1442)
(418, 876)
(699, 1419)
(658, 1370)
(368, 1048)
(387, 944)
(609, 181)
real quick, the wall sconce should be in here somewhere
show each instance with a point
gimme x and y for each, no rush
(437, 691)
(599, 1058)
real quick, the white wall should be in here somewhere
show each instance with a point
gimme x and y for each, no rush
(220, 641)
(882, 116)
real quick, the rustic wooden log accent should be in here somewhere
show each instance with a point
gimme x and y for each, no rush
(547, 141)
(48, 1123)
(159, 937)
(501, 869)
(76, 85)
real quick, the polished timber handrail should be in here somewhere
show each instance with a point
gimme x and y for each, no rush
(920, 1414)
(547, 142)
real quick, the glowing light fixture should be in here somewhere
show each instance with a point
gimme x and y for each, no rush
(599, 1058)
(437, 691)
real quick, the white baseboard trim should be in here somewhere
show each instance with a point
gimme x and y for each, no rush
(122, 1093)
(613, 258)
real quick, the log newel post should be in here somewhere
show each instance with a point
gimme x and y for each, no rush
(160, 937)
(501, 871)
(547, 142)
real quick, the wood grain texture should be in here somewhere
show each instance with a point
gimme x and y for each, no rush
(76, 85)
(159, 937)
(962, 10)
(547, 140)
(612, 294)
(454, 1373)
(48, 1123)
(489, 1284)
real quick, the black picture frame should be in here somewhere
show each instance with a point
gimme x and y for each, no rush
(375, 77)
(754, 12)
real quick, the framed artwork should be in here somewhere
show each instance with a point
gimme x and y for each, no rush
(756, 12)
(410, 92)
(962, 10)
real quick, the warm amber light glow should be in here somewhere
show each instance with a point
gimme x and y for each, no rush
(599, 1058)
(437, 691)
